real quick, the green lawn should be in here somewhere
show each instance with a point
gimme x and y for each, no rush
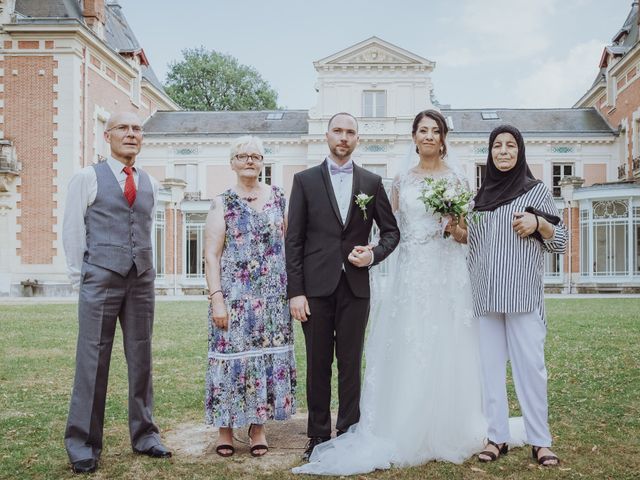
(593, 358)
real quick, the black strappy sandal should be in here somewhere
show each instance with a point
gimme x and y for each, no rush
(502, 450)
(254, 448)
(225, 450)
(546, 458)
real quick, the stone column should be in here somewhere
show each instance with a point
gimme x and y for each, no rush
(571, 266)
(173, 225)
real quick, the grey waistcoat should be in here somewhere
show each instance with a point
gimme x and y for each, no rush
(119, 236)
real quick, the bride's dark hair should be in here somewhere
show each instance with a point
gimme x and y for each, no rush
(442, 126)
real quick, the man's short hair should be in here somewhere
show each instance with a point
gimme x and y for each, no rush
(342, 113)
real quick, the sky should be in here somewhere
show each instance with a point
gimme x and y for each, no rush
(488, 53)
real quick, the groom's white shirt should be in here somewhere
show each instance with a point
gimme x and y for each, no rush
(342, 187)
(342, 184)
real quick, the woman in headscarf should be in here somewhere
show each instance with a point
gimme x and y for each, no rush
(517, 222)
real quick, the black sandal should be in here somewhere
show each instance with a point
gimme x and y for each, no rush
(546, 458)
(502, 450)
(256, 447)
(225, 450)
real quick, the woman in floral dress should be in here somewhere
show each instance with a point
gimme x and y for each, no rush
(251, 374)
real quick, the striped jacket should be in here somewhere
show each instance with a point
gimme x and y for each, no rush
(506, 270)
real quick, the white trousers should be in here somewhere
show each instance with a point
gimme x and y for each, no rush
(518, 337)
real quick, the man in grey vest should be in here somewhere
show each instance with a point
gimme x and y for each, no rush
(107, 241)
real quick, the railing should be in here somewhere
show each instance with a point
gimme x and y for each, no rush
(622, 172)
(636, 165)
(193, 196)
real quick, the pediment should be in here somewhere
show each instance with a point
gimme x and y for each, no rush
(374, 51)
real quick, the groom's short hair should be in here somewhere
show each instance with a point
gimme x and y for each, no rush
(342, 113)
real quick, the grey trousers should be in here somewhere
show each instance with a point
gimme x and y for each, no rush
(104, 298)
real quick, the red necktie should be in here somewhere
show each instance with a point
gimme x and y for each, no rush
(129, 186)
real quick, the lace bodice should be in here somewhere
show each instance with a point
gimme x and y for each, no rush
(415, 223)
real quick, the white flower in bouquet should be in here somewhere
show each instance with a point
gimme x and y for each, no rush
(449, 194)
(446, 197)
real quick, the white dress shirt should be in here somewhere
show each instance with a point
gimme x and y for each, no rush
(81, 194)
(342, 183)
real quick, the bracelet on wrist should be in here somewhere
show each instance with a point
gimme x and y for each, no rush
(537, 223)
(210, 296)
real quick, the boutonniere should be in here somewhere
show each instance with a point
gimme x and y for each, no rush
(362, 200)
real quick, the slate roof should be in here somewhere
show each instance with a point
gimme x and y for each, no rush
(293, 123)
(150, 75)
(118, 34)
(630, 32)
(630, 27)
(49, 8)
(541, 122)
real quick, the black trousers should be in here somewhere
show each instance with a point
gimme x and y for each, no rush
(341, 320)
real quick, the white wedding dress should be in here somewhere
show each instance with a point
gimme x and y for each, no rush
(421, 397)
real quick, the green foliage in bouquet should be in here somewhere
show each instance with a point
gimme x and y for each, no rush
(447, 197)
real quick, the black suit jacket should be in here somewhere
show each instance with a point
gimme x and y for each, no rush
(318, 243)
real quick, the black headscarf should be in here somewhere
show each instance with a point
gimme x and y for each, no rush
(500, 188)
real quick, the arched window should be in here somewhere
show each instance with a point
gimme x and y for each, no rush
(610, 238)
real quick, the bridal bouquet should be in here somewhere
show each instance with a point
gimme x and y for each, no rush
(447, 197)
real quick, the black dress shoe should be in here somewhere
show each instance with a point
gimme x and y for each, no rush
(313, 442)
(88, 465)
(157, 451)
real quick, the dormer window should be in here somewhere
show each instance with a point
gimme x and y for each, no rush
(490, 116)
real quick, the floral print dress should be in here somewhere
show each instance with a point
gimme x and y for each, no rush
(251, 376)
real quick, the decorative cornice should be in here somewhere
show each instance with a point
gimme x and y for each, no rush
(173, 142)
(344, 68)
(535, 141)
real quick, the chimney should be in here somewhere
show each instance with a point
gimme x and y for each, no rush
(94, 15)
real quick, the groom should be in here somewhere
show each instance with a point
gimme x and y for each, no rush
(327, 268)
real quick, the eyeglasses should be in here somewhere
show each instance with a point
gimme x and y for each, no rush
(244, 158)
(124, 129)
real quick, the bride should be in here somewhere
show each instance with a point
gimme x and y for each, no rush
(421, 397)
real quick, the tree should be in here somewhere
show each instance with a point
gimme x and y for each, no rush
(208, 80)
